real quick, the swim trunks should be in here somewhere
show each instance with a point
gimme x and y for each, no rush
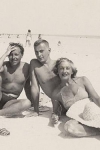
(5, 98)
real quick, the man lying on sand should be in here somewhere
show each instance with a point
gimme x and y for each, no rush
(41, 73)
(14, 76)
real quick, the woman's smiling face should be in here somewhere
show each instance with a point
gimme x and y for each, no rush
(64, 70)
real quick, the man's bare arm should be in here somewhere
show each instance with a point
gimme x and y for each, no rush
(35, 89)
(27, 89)
(0, 87)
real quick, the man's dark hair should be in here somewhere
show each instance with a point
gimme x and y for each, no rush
(18, 45)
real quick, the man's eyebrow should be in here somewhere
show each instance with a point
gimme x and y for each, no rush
(39, 50)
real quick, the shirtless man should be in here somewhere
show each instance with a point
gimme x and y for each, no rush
(14, 76)
(41, 73)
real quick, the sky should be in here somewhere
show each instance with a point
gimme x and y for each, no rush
(56, 17)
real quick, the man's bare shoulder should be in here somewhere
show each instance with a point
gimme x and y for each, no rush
(35, 63)
(3, 66)
(25, 64)
(25, 67)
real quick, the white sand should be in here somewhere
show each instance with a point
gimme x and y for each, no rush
(37, 133)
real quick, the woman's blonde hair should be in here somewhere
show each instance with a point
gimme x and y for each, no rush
(58, 62)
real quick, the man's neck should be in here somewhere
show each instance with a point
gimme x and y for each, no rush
(15, 66)
(48, 62)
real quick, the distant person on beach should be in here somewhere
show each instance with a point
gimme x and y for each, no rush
(9, 36)
(39, 37)
(59, 43)
(14, 76)
(70, 90)
(41, 73)
(28, 38)
(17, 35)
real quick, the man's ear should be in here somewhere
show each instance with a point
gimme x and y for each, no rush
(22, 56)
(49, 49)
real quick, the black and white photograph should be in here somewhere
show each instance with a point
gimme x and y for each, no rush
(49, 74)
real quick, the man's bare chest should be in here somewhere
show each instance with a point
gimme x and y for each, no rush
(44, 75)
(15, 77)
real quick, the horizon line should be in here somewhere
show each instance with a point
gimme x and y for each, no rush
(63, 35)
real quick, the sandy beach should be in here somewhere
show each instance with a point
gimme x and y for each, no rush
(37, 133)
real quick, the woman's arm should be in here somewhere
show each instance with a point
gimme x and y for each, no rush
(0, 87)
(55, 115)
(91, 91)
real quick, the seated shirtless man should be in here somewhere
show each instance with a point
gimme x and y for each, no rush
(14, 76)
(41, 73)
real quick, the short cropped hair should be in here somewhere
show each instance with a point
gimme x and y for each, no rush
(18, 45)
(58, 62)
(38, 42)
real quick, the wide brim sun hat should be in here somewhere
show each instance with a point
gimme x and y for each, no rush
(86, 112)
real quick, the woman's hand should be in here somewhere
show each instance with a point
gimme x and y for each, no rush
(54, 118)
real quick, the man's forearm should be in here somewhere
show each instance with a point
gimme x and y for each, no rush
(28, 92)
(9, 49)
(35, 100)
(0, 95)
(2, 59)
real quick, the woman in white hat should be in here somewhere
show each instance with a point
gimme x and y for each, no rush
(70, 91)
